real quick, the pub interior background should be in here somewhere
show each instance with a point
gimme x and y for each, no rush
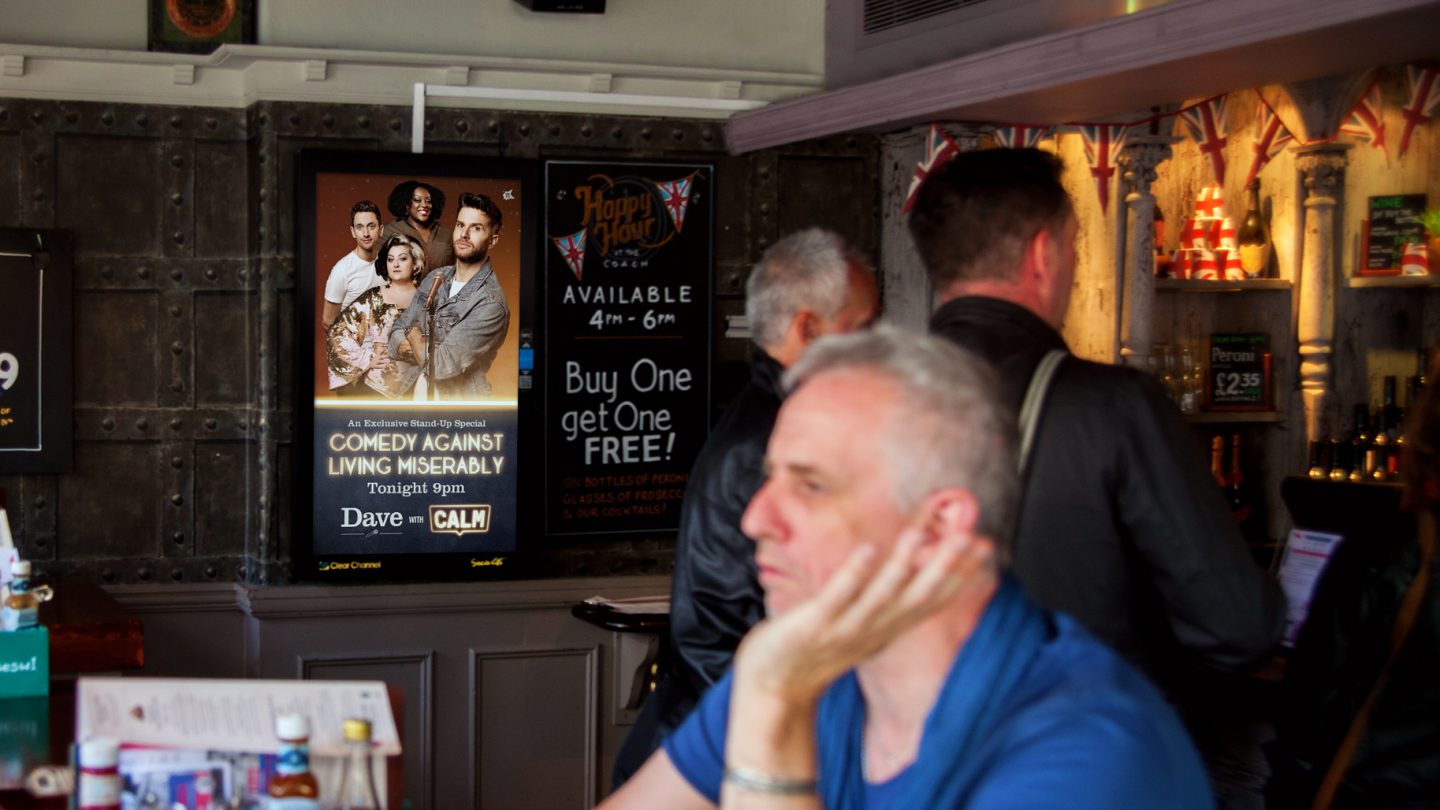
(176, 175)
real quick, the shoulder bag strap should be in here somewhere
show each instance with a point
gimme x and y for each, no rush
(1034, 401)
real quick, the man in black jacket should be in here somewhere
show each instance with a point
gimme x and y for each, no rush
(807, 285)
(1121, 526)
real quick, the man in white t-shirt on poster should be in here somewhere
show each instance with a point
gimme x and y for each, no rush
(355, 272)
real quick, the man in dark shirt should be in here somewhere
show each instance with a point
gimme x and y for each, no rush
(1121, 526)
(807, 285)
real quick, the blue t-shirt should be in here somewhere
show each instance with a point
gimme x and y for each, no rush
(1078, 729)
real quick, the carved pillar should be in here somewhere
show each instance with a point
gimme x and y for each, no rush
(908, 299)
(1322, 167)
(1138, 160)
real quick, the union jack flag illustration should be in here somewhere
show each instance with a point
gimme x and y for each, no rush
(939, 149)
(1424, 98)
(1020, 136)
(1102, 147)
(1210, 204)
(572, 250)
(1271, 137)
(675, 194)
(1365, 121)
(1208, 126)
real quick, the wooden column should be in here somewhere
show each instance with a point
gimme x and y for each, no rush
(1138, 161)
(1322, 168)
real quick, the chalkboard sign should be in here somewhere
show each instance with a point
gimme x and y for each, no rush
(1239, 372)
(1394, 222)
(36, 342)
(627, 277)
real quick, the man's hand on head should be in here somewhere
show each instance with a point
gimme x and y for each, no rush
(866, 603)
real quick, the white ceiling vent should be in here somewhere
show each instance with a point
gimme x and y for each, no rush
(882, 15)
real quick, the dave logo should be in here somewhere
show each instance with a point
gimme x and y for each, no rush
(460, 519)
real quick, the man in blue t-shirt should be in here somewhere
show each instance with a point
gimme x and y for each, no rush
(900, 667)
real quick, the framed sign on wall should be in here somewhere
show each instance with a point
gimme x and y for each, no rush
(628, 272)
(414, 288)
(36, 350)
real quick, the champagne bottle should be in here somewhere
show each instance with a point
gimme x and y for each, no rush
(357, 782)
(294, 787)
(1253, 238)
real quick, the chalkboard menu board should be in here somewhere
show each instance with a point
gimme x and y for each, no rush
(1394, 222)
(1239, 372)
(627, 279)
(36, 343)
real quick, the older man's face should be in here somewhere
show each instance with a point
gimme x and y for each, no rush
(830, 486)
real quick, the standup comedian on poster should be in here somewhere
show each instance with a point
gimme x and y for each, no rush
(417, 287)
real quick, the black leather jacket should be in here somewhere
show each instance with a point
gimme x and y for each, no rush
(715, 597)
(1121, 525)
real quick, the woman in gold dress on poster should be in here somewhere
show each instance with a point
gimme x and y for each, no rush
(357, 348)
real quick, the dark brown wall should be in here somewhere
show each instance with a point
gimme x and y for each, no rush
(183, 226)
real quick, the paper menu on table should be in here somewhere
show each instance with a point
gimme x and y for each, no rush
(1306, 555)
(229, 715)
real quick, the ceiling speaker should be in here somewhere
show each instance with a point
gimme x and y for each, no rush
(565, 6)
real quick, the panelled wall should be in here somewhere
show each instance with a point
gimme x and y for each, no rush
(509, 701)
(179, 499)
(185, 252)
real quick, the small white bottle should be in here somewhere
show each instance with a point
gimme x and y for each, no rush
(99, 784)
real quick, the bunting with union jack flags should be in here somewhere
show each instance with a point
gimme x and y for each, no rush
(572, 250)
(1365, 121)
(675, 194)
(1271, 137)
(1020, 136)
(1424, 81)
(1207, 125)
(1102, 148)
(939, 149)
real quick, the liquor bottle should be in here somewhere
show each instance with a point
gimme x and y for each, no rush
(21, 609)
(1235, 490)
(1377, 463)
(357, 782)
(294, 786)
(99, 783)
(1390, 412)
(1360, 444)
(1339, 460)
(1253, 238)
(1319, 466)
(1217, 460)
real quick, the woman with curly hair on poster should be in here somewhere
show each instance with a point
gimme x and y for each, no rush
(418, 208)
(357, 349)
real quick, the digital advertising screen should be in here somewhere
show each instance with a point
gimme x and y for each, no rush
(413, 321)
